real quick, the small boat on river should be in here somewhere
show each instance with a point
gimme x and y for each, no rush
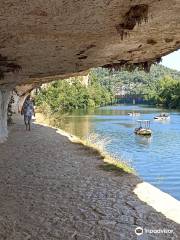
(134, 114)
(144, 128)
(162, 116)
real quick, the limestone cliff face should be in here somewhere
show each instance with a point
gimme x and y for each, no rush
(44, 40)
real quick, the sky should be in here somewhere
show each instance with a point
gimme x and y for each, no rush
(172, 60)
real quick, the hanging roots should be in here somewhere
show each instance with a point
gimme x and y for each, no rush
(125, 65)
(136, 15)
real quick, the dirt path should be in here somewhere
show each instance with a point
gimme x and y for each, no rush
(52, 189)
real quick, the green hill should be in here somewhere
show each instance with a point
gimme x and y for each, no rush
(156, 71)
(116, 79)
(160, 86)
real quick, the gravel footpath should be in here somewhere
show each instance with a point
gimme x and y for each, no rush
(51, 188)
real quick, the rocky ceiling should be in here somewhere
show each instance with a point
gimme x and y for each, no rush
(43, 40)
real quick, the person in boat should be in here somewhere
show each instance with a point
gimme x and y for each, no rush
(28, 112)
(139, 128)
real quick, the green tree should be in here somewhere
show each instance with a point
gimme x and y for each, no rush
(70, 94)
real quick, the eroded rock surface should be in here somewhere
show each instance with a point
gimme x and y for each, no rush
(53, 189)
(43, 40)
(4, 99)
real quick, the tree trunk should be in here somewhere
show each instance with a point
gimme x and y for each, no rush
(4, 99)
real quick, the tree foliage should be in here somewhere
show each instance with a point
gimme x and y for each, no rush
(66, 95)
(160, 86)
(165, 92)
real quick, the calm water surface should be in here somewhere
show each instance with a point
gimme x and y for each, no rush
(156, 159)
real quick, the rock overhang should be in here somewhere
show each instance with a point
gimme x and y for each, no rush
(43, 40)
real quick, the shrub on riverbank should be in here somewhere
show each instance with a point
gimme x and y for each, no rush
(111, 163)
(165, 92)
(67, 95)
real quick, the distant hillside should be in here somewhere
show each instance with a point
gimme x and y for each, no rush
(156, 72)
(134, 82)
(159, 71)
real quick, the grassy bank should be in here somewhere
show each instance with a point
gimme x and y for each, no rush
(111, 163)
(95, 144)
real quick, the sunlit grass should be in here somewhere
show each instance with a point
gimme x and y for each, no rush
(96, 144)
(111, 163)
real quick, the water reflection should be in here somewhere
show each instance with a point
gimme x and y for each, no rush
(151, 156)
(143, 140)
(79, 126)
(127, 125)
(165, 121)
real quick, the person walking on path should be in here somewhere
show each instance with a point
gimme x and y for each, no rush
(28, 112)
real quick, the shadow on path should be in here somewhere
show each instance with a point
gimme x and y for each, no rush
(52, 189)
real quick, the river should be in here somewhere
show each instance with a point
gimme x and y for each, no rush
(156, 159)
